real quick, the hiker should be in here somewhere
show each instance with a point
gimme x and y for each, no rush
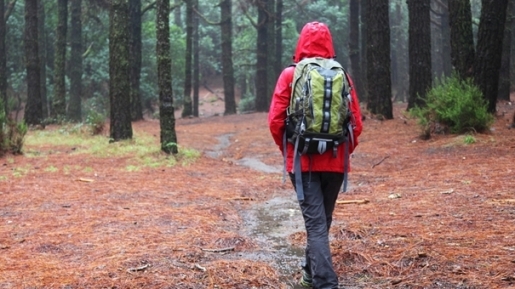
(322, 173)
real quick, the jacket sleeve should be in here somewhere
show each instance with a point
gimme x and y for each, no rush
(279, 104)
(355, 109)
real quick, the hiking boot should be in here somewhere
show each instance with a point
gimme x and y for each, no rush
(305, 279)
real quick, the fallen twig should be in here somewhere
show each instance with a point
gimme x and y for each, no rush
(140, 268)
(346, 202)
(502, 201)
(376, 164)
(240, 199)
(222, 250)
(200, 268)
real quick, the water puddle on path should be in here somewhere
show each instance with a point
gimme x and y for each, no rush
(224, 141)
(269, 225)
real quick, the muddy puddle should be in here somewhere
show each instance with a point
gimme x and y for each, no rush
(224, 141)
(269, 224)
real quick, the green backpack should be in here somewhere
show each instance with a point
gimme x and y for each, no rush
(319, 114)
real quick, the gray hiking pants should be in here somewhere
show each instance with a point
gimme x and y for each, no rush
(320, 193)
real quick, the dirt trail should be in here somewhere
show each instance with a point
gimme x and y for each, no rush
(440, 212)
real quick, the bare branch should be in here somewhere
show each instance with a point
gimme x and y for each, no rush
(9, 10)
(299, 6)
(205, 18)
(153, 5)
(149, 7)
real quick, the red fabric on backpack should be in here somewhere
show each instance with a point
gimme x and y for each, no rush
(314, 40)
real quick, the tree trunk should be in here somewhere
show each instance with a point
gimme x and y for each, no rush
(354, 51)
(261, 79)
(504, 77)
(378, 59)
(42, 57)
(187, 103)
(164, 75)
(402, 69)
(446, 40)
(135, 58)
(462, 41)
(119, 69)
(279, 65)
(270, 66)
(59, 101)
(419, 52)
(177, 18)
(363, 13)
(75, 105)
(227, 65)
(436, 38)
(3, 61)
(489, 49)
(196, 54)
(512, 58)
(33, 108)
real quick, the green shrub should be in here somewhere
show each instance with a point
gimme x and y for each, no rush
(454, 106)
(469, 139)
(95, 122)
(247, 104)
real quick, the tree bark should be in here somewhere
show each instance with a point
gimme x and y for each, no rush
(3, 60)
(436, 38)
(504, 77)
(363, 13)
(512, 55)
(261, 79)
(42, 57)
(400, 63)
(33, 108)
(279, 65)
(75, 105)
(119, 69)
(462, 41)
(177, 18)
(135, 58)
(59, 100)
(354, 51)
(419, 52)
(227, 65)
(164, 74)
(489, 49)
(446, 40)
(270, 66)
(135, 55)
(196, 54)
(187, 103)
(378, 59)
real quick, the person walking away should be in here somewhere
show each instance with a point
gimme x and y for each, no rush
(319, 176)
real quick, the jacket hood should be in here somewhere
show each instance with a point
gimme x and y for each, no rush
(314, 40)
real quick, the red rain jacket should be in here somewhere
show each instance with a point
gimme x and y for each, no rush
(314, 40)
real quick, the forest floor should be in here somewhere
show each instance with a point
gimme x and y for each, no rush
(435, 213)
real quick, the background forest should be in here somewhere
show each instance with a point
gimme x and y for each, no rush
(82, 45)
